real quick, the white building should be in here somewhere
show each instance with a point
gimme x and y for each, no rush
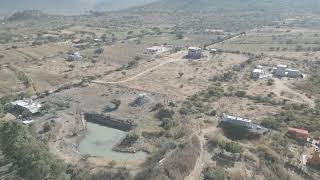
(237, 120)
(27, 105)
(213, 51)
(257, 74)
(155, 50)
(194, 53)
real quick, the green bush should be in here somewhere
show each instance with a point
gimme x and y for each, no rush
(233, 147)
(213, 174)
(164, 113)
(132, 64)
(168, 123)
(2, 113)
(99, 51)
(241, 93)
(270, 82)
(272, 124)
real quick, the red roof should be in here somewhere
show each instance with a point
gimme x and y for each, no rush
(300, 131)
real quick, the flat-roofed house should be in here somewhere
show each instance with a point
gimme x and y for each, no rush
(280, 70)
(194, 53)
(257, 73)
(26, 107)
(237, 120)
(283, 71)
(293, 73)
(253, 128)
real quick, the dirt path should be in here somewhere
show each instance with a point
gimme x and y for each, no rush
(204, 155)
(300, 98)
(171, 60)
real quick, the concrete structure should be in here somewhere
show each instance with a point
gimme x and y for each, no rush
(237, 120)
(299, 133)
(283, 71)
(27, 105)
(293, 73)
(247, 123)
(73, 56)
(194, 53)
(280, 70)
(213, 51)
(257, 74)
(156, 50)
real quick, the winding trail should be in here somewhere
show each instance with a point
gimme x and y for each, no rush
(195, 174)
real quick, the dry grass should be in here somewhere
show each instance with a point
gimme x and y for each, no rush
(180, 163)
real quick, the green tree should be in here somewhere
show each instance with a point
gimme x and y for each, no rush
(29, 156)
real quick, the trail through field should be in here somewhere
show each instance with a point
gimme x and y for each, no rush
(300, 98)
(171, 60)
(204, 155)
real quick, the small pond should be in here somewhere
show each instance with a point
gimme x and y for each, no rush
(99, 141)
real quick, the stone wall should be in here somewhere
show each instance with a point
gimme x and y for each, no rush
(105, 120)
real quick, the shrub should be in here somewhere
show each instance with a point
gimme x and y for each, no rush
(99, 51)
(46, 127)
(213, 174)
(167, 123)
(137, 58)
(116, 102)
(241, 93)
(272, 124)
(132, 64)
(130, 139)
(270, 82)
(179, 35)
(2, 112)
(233, 147)
(212, 113)
(30, 156)
(164, 113)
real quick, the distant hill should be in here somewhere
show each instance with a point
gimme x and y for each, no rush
(67, 6)
(231, 15)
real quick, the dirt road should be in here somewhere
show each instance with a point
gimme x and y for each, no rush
(171, 60)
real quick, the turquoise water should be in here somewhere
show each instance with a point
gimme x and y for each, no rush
(99, 141)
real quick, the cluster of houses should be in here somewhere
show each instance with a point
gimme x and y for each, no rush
(312, 159)
(279, 71)
(243, 122)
